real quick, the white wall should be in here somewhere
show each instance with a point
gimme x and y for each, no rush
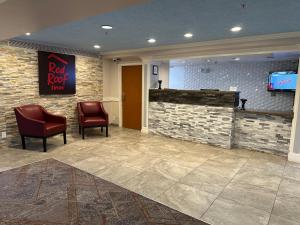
(176, 80)
(111, 90)
(163, 74)
(250, 78)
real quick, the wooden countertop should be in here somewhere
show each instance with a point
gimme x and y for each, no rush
(195, 97)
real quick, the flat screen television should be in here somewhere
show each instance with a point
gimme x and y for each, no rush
(282, 81)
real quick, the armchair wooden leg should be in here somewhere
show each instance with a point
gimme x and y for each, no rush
(23, 142)
(79, 129)
(45, 144)
(101, 129)
(65, 137)
(106, 130)
(82, 132)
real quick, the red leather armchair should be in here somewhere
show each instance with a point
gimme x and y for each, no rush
(35, 121)
(92, 114)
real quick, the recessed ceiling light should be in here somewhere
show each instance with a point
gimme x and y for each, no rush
(151, 40)
(106, 27)
(27, 34)
(236, 29)
(97, 46)
(188, 35)
(236, 59)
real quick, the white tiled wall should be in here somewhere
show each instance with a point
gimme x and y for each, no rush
(250, 78)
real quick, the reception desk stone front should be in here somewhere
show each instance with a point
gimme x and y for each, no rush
(200, 116)
(208, 121)
(263, 131)
(204, 124)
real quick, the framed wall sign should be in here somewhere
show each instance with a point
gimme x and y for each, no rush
(155, 70)
(56, 73)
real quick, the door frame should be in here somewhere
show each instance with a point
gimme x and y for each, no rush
(120, 90)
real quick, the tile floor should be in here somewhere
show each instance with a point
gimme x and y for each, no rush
(220, 187)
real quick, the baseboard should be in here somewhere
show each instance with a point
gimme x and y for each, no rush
(293, 157)
(145, 130)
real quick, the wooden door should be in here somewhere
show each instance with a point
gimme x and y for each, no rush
(132, 97)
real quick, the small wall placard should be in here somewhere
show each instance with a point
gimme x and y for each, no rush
(56, 73)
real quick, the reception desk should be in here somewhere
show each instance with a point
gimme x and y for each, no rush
(212, 117)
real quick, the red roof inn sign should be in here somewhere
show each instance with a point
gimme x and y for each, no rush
(56, 73)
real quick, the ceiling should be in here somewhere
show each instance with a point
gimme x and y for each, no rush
(276, 56)
(20, 16)
(168, 20)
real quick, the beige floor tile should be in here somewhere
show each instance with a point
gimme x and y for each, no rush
(117, 174)
(276, 220)
(260, 179)
(270, 158)
(220, 168)
(250, 195)
(190, 159)
(294, 164)
(266, 169)
(205, 181)
(292, 172)
(187, 199)
(287, 207)
(170, 170)
(231, 159)
(94, 164)
(289, 187)
(239, 152)
(142, 161)
(226, 212)
(149, 184)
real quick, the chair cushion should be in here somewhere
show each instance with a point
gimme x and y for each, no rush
(33, 112)
(90, 108)
(94, 121)
(54, 128)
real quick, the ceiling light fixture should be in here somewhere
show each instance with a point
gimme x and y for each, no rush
(188, 35)
(97, 46)
(106, 27)
(236, 29)
(236, 59)
(27, 34)
(151, 40)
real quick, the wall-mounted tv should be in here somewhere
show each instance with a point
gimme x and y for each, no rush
(282, 81)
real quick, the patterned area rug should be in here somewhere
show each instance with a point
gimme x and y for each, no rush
(53, 193)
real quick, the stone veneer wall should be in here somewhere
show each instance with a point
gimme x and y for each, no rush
(204, 124)
(221, 126)
(19, 85)
(262, 132)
